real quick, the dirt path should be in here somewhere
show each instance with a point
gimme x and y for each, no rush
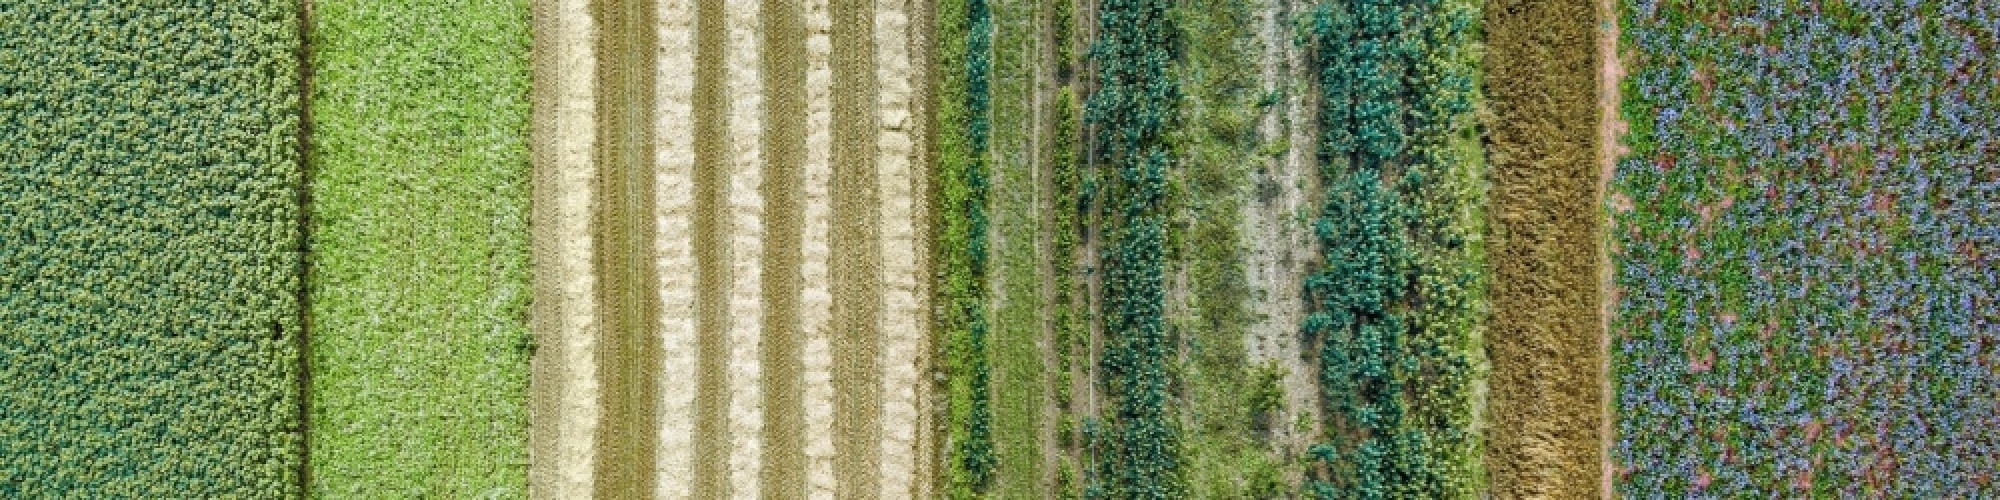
(1279, 245)
(919, 25)
(674, 249)
(816, 300)
(565, 393)
(1610, 129)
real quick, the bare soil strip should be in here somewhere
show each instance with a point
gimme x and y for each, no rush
(712, 164)
(1281, 249)
(1545, 335)
(857, 254)
(565, 395)
(816, 299)
(1610, 130)
(902, 321)
(674, 250)
(746, 251)
(784, 144)
(628, 360)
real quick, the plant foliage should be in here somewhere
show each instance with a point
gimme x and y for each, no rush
(1395, 308)
(149, 250)
(1131, 109)
(1805, 231)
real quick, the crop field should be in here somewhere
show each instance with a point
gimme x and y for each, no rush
(418, 272)
(1011, 249)
(149, 251)
(1804, 233)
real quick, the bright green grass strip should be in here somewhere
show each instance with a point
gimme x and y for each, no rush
(149, 239)
(419, 277)
(1019, 390)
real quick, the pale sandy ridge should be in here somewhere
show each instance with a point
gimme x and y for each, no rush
(901, 319)
(1279, 243)
(567, 406)
(746, 252)
(673, 467)
(816, 300)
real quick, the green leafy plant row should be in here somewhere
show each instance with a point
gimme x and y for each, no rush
(1395, 306)
(963, 116)
(1132, 110)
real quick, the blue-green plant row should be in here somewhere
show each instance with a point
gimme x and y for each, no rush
(1132, 109)
(149, 249)
(1395, 306)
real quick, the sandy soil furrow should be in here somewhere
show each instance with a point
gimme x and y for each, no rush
(901, 320)
(816, 299)
(746, 236)
(566, 407)
(673, 465)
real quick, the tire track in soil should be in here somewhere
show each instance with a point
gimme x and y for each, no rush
(712, 443)
(564, 397)
(626, 303)
(784, 143)
(856, 255)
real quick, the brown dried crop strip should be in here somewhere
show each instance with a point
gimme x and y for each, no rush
(1545, 332)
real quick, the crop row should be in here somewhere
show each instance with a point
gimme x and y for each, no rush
(1805, 230)
(964, 104)
(1132, 109)
(1395, 306)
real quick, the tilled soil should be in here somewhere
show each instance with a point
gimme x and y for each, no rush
(718, 278)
